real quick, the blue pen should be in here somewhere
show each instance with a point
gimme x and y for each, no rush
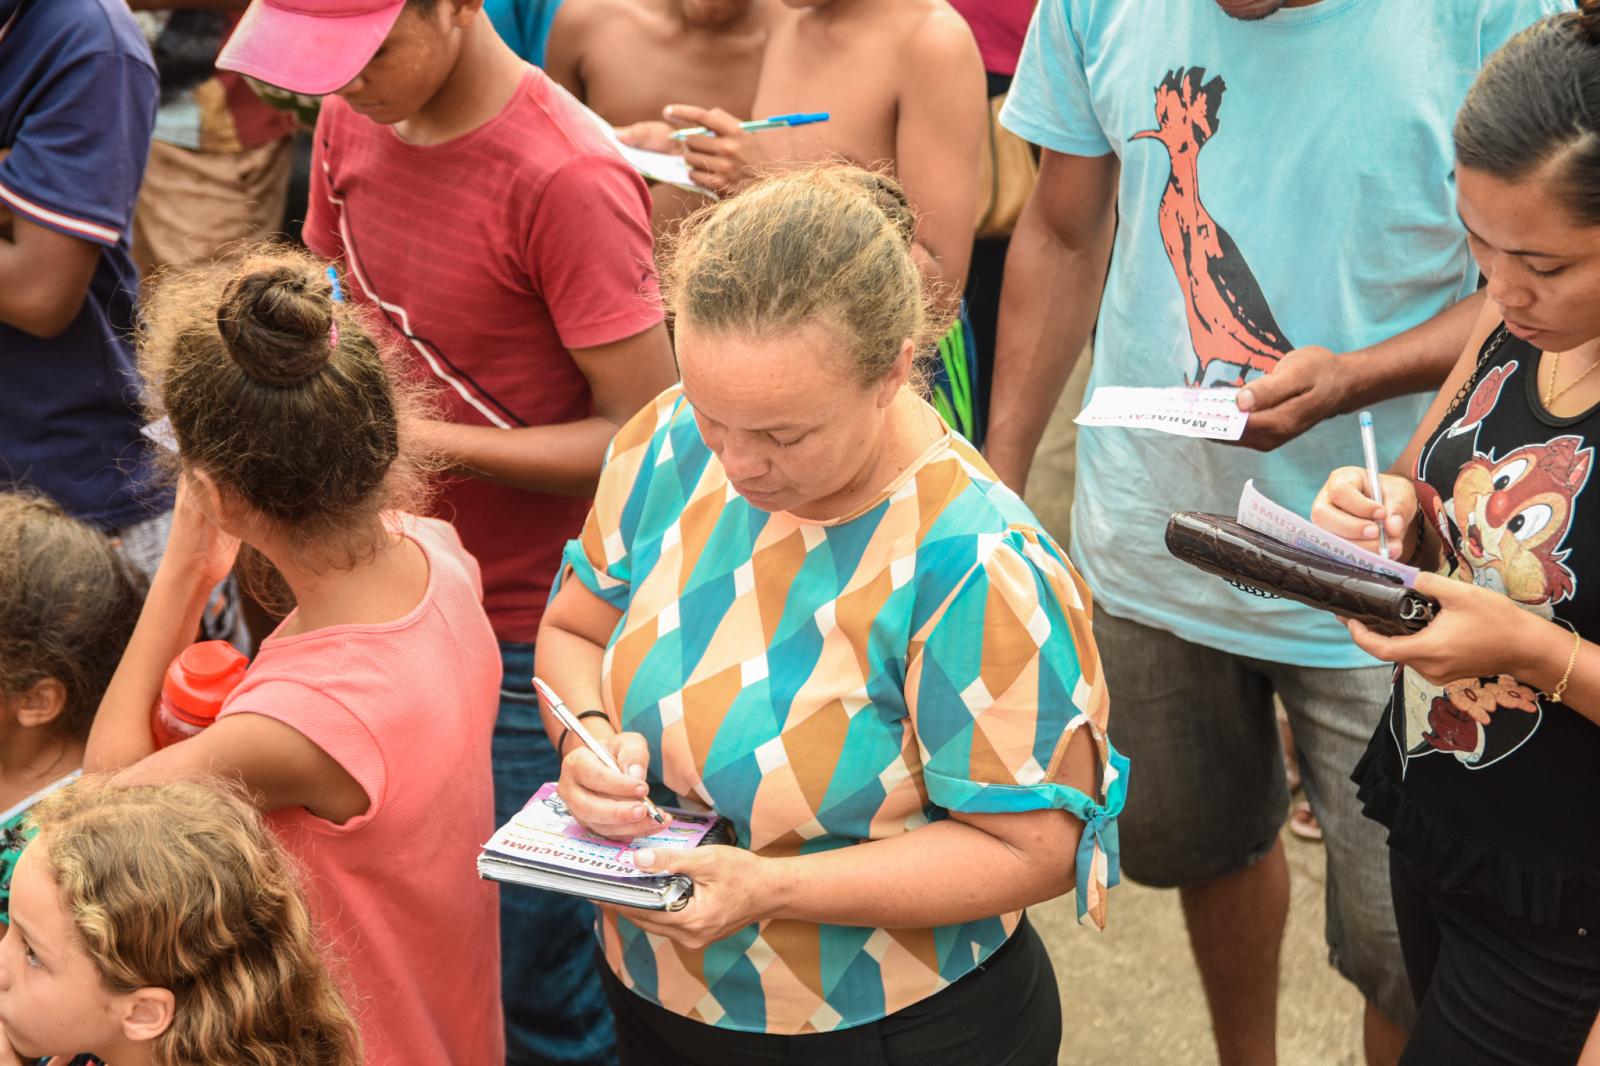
(756, 125)
(333, 279)
(1370, 446)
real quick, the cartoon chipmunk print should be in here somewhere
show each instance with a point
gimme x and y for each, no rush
(1229, 319)
(1502, 528)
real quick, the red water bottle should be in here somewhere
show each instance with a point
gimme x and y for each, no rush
(197, 683)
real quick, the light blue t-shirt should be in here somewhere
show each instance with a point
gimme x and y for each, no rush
(524, 25)
(1312, 203)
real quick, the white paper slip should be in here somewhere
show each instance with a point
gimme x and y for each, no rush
(664, 167)
(1210, 413)
(161, 433)
(1278, 522)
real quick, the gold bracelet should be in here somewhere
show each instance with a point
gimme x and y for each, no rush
(1555, 697)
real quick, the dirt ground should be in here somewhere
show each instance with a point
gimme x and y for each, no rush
(1131, 995)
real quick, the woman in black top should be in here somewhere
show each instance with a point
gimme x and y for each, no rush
(1486, 765)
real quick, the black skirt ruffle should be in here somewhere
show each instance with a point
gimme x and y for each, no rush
(1532, 891)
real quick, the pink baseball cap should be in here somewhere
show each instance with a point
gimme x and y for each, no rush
(308, 46)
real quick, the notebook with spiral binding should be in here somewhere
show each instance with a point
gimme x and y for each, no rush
(545, 847)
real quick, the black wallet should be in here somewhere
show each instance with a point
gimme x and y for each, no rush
(1257, 563)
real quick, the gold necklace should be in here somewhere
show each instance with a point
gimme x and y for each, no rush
(1550, 393)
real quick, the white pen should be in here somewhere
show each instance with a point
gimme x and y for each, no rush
(1370, 446)
(570, 720)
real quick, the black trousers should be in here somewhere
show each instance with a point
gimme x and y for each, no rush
(1005, 1013)
(1491, 989)
(985, 276)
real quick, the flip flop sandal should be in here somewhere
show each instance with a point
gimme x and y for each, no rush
(1303, 824)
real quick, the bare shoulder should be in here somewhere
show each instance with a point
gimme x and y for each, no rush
(579, 16)
(936, 48)
(935, 37)
(574, 16)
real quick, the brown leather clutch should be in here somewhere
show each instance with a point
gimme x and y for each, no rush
(1256, 563)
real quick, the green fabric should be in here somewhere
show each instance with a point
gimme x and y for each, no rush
(13, 838)
(953, 393)
(15, 834)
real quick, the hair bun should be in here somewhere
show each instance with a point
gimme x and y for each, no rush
(276, 327)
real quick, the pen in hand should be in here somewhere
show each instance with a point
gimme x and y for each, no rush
(1370, 447)
(570, 720)
(776, 122)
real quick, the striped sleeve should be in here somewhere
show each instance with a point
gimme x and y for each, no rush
(80, 153)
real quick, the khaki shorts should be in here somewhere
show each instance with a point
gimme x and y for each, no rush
(1208, 795)
(194, 204)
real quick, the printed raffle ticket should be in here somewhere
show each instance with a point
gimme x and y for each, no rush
(1210, 413)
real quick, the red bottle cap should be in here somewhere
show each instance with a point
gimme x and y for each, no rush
(200, 679)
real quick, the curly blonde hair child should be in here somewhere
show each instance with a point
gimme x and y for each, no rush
(163, 924)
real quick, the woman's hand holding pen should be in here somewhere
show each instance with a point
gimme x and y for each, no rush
(732, 889)
(723, 163)
(1345, 506)
(1477, 632)
(601, 799)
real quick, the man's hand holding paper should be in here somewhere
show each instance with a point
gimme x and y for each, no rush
(1307, 386)
(726, 162)
(651, 136)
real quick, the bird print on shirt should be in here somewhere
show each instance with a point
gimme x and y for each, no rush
(1229, 319)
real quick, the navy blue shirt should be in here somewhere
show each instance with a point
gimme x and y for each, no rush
(77, 103)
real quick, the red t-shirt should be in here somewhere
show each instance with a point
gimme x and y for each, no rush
(492, 256)
(999, 26)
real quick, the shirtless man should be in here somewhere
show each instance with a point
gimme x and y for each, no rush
(904, 84)
(627, 59)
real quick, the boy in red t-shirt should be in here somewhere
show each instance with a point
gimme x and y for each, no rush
(509, 247)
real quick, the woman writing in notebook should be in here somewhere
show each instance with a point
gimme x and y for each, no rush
(802, 602)
(1483, 766)
(362, 727)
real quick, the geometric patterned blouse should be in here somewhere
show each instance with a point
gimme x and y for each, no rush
(821, 684)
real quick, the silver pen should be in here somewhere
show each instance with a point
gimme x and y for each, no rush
(570, 720)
